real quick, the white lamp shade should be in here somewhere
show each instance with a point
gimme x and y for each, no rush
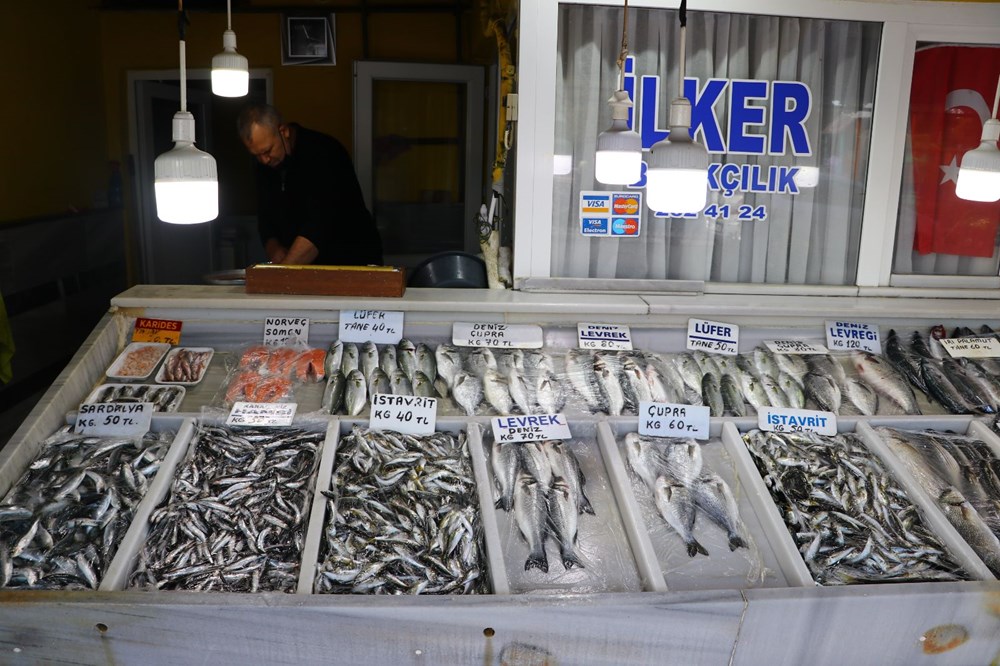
(230, 70)
(979, 175)
(676, 190)
(186, 180)
(618, 167)
(187, 201)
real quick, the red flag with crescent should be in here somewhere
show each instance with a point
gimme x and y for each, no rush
(953, 88)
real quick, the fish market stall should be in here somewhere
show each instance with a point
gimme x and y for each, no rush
(326, 538)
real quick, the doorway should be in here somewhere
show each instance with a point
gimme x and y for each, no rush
(185, 254)
(418, 141)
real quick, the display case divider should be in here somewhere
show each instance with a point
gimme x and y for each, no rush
(317, 514)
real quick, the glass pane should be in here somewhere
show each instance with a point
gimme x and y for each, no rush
(418, 165)
(784, 107)
(937, 232)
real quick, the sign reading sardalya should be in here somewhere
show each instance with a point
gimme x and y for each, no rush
(948, 106)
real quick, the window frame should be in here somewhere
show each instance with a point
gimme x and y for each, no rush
(903, 25)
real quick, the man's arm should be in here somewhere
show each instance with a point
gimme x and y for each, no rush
(302, 251)
(275, 251)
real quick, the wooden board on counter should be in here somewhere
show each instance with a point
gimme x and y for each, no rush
(326, 280)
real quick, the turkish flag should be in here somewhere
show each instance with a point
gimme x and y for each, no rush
(953, 88)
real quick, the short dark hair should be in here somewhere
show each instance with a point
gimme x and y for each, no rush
(264, 115)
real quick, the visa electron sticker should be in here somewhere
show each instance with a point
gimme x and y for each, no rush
(610, 214)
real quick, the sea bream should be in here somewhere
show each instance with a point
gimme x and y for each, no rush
(673, 500)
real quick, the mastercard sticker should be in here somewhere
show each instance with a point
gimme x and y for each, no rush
(610, 214)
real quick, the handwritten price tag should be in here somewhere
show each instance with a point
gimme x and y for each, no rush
(382, 328)
(781, 419)
(604, 336)
(795, 347)
(535, 428)
(408, 414)
(660, 419)
(286, 331)
(510, 336)
(114, 419)
(265, 414)
(157, 330)
(714, 337)
(972, 347)
(853, 336)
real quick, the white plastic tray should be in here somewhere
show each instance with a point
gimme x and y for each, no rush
(115, 369)
(177, 350)
(149, 388)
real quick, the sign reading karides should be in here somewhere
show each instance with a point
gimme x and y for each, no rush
(732, 117)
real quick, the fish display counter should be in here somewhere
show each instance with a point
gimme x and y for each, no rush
(330, 538)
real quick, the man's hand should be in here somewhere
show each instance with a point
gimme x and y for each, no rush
(302, 251)
(275, 251)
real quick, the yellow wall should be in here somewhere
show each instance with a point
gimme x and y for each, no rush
(55, 138)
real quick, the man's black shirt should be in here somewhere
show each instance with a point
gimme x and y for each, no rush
(314, 193)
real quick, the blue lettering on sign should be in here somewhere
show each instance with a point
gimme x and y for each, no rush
(595, 226)
(789, 104)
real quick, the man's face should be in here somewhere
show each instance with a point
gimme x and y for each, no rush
(267, 146)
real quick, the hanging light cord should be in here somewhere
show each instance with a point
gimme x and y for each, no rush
(682, 15)
(624, 52)
(182, 22)
(229, 15)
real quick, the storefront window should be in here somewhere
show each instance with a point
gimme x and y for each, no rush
(784, 107)
(951, 97)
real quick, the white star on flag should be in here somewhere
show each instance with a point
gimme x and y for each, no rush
(950, 172)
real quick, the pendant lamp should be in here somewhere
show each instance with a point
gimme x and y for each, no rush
(677, 174)
(979, 175)
(186, 180)
(230, 70)
(619, 149)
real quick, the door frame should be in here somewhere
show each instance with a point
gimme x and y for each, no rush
(137, 129)
(368, 71)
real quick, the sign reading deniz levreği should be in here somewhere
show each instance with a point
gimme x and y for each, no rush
(286, 330)
(853, 336)
(604, 336)
(382, 328)
(532, 428)
(611, 214)
(511, 336)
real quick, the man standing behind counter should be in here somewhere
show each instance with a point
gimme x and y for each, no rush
(309, 204)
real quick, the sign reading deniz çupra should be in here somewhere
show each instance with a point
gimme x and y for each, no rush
(779, 108)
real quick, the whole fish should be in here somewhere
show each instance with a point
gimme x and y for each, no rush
(940, 387)
(496, 392)
(884, 378)
(448, 362)
(689, 371)
(793, 365)
(334, 357)
(968, 389)
(934, 342)
(531, 515)
(333, 394)
(387, 360)
(904, 361)
(753, 390)
(580, 370)
(712, 394)
(399, 382)
(505, 458)
(712, 495)
(549, 393)
(822, 389)
(775, 394)
(378, 383)
(611, 388)
(674, 503)
(355, 392)
(350, 358)
(563, 516)
(792, 391)
(467, 392)
(826, 364)
(706, 362)
(511, 360)
(659, 388)
(565, 465)
(861, 396)
(682, 459)
(406, 357)
(732, 398)
(765, 362)
(479, 361)
(422, 386)
(521, 392)
(918, 346)
(634, 386)
(426, 362)
(368, 359)
(986, 385)
(536, 361)
(537, 464)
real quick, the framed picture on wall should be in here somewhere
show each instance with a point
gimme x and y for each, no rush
(308, 39)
